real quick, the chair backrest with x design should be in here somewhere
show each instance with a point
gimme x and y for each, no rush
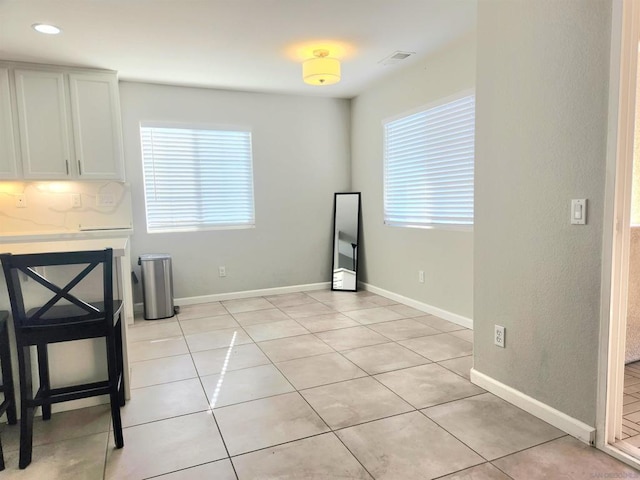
(50, 314)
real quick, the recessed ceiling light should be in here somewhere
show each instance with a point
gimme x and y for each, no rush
(45, 28)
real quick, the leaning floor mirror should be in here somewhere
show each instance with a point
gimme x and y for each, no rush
(346, 238)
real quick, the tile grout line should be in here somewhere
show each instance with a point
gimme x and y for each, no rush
(454, 436)
(328, 385)
(352, 454)
(453, 371)
(210, 410)
(503, 456)
(323, 421)
(473, 466)
(106, 456)
(107, 431)
(299, 395)
(564, 435)
(190, 467)
(500, 470)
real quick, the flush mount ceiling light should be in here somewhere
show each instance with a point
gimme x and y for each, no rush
(321, 70)
(46, 28)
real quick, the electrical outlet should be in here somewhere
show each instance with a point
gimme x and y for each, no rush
(105, 200)
(21, 201)
(222, 271)
(498, 335)
(421, 276)
(76, 200)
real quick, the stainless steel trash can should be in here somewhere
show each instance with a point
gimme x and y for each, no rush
(157, 285)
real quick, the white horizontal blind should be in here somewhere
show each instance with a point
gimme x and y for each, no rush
(197, 179)
(428, 166)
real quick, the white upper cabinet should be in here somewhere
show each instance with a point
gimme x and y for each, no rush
(95, 111)
(42, 119)
(8, 154)
(68, 123)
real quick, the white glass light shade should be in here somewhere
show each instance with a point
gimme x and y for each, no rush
(321, 71)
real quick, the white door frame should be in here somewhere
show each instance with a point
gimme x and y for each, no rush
(625, 33)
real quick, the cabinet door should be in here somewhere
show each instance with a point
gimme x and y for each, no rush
(8, 155)
(97, 133)
(42, 118)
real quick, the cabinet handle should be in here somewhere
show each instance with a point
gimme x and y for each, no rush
(79, 167)
(67, 165)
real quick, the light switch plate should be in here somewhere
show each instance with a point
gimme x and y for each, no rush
(579, 211)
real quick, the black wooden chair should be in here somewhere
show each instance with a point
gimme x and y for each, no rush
(73, 319)
(8, 404)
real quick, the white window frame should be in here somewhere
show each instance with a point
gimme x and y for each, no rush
(195, 126)
(423, 108)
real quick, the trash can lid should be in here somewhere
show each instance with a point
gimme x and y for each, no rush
(154, 256)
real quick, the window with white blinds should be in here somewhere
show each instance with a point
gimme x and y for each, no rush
(197, 179)
(428, 166)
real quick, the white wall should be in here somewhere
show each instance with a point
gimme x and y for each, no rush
(300, 158)
(541, 129)
(393, 255)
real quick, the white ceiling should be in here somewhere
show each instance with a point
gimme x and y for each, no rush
(255, 45)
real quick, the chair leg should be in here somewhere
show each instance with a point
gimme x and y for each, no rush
(26, 412)
(7, 376)
(45, 383)
(1, 458)
(112, 365)
(118, 331)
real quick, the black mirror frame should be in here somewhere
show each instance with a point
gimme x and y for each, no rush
(359, 233)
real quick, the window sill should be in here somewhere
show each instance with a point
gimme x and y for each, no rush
(453, 228)
(201, 229)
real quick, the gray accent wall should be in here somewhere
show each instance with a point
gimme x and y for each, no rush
(541, 113)
(301, 156)
(394, 255)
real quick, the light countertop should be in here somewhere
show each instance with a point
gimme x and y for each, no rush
(118, 244)
(64, 235)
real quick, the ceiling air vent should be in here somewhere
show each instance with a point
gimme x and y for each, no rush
(396, 57)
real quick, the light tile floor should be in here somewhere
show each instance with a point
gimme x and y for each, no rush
(631, 405)
(316, 385)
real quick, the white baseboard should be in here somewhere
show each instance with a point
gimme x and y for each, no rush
(216, 297)
(562, 421)
(66, 406)
(430, 309)
(77, 404)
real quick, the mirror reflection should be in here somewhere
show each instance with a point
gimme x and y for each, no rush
(346, 229)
